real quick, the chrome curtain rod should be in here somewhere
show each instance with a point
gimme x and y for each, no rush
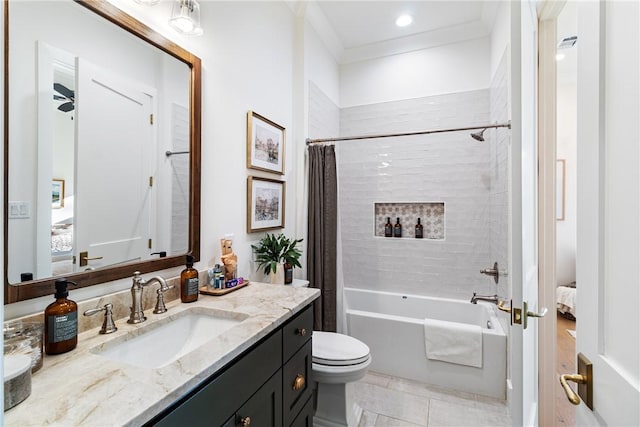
(425, 132)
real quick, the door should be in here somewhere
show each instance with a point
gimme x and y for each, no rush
(523, 228)
(608, 242)
(111, 228)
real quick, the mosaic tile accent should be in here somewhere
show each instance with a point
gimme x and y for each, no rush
(431, 216)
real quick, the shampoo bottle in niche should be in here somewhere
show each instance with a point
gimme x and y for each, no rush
(388, 228)
(61, 321)
(419, 230)
(397, 228)
(189, 286)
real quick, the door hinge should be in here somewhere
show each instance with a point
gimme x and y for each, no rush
(150, 181)
(150, 243)
(151, 118)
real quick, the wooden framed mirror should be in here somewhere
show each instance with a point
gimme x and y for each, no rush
(131, 199)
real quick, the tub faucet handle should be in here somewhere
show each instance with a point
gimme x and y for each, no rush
(492, 272)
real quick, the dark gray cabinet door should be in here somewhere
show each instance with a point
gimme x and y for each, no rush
(305, 417)
(263, 409)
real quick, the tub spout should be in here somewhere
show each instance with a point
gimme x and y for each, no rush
(490, 298)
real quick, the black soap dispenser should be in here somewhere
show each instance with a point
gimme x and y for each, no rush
(61, 321)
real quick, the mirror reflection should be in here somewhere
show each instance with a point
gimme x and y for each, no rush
(92, 112)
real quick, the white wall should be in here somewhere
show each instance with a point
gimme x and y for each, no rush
(567, 146)
(567, 149)
(500, 35)
(457, 67)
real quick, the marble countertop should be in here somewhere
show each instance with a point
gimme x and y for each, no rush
(82, 388)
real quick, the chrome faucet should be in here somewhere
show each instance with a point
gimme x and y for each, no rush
(490, 298)
(137, 315)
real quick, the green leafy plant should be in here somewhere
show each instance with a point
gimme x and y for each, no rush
(274, 249)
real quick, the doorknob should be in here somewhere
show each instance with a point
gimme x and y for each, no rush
(84, 258)
(584, 379)
(520, 316)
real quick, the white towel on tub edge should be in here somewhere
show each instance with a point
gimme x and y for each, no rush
(453, 342)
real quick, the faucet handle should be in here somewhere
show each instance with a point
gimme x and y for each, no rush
(160, 307)
(108, 326)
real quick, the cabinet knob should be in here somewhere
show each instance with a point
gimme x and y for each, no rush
(245, 422)
(302, 332)
(298, 383)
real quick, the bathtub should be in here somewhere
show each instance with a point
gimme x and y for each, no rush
(392, 325)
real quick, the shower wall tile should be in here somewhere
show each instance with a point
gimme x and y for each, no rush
(500, 156)
(450, 168)
(500, 159)
(324, 115)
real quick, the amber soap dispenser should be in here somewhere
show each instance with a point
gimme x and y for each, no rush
(189, 285)
(61, 321)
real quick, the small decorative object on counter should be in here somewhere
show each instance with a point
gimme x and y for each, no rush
(189, 285)
(211, 276)
(229, 259)
(397, 229)
(61, 321)
(25, 337)
(388, 228)
(17, 379)
(419, 230)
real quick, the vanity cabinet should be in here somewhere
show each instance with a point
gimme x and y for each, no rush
(268, 385)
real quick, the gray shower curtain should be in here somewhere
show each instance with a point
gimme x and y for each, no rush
(321, 237)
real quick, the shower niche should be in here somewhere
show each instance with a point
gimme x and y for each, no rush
(431, 214)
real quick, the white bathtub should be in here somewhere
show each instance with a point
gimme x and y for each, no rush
(392, 325)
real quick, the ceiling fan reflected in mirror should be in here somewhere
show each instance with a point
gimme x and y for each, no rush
(64, 94)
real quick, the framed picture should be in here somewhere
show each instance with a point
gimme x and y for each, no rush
(265, 204)
(57, 194)
(265, 144)
(560, 177)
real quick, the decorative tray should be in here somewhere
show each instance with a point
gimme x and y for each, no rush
(205, 290)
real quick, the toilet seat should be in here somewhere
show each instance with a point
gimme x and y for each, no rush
(333, 349)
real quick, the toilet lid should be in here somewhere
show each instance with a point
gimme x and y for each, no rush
(330, 348)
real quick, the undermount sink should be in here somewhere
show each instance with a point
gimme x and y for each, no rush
(160, 343)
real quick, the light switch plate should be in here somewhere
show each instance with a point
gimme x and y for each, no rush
(19, 210)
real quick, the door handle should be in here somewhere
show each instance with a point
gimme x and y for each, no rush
(84, 258)
(520, 316)
(584, 379)
(576, 378)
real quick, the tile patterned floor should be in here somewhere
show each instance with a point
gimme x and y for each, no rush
(397, 402)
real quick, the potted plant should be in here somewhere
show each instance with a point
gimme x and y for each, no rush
(277, 255)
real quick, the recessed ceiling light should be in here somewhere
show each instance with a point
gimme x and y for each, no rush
(560, 56)
(404, 20)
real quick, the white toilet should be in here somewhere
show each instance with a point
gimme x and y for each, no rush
(338, 361)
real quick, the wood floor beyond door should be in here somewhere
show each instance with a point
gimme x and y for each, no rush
(566, 364)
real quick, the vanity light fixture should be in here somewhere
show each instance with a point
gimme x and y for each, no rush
(404, 20)
(185, 17)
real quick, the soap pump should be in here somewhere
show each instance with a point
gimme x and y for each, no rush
(61, 321)
(189, 285)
